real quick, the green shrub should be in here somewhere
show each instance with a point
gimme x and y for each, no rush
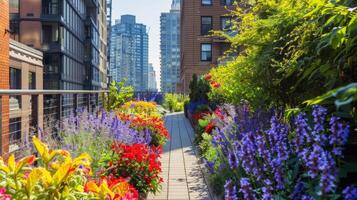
(119, 93)
(174, 102)
(288, 51)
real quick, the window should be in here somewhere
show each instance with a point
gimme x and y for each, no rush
(206, 25)
(15, 134)
(32, 80)
(15, 78)
(206, 52)
(227, 2)
(226, 23)
(50, 7)
(206, 2)
(14, 7)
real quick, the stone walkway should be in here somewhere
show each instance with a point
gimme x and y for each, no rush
(182, 173)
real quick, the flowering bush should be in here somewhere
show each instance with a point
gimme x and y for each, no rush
(153, 126)
(299, 161)
(140, 108)
(94, 134)
(138, 163)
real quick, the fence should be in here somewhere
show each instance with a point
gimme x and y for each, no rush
(25, 112)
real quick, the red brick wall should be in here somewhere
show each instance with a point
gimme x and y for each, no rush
(4, 71)
(191, 39)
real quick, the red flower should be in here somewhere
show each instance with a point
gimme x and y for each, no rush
(209, 127)
(215, 84)
(208, 77)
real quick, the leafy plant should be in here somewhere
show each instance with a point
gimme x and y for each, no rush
(174, 102)
(199, 89)
(118, 95)
(288, 51)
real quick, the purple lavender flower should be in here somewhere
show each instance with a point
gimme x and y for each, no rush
(302, 132)
(349, 193)
(233, 160)
(298, 191)
(246, 189)
(209, 165)
(230, 191)
(307, 197)
(319, 114)
(339, 133)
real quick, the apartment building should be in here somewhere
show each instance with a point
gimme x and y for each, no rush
(25, 112)
(170, 48)
(199, 50)
(129, 52)
(72, 36)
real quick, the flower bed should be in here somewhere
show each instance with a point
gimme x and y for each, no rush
(259, 155)
(100, 156)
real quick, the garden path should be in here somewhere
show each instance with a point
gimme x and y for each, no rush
(182, 172)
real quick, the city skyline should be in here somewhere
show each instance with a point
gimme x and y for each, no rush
(147, 13)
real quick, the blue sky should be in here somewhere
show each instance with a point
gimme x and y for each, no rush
(147, 12)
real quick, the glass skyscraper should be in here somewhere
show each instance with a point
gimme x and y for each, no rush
(129, 53)
(170, 48)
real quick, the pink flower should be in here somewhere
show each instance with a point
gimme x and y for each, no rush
(3, 195)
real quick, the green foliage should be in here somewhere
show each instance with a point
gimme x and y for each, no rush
(175, 102)
(56, 176)
(289, 51)
(344, 99)
(199, 88)
(118, 95)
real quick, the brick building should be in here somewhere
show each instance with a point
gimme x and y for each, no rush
(199, 51)
(4, 77)
(25, 112)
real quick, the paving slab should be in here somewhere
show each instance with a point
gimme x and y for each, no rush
(182, 173)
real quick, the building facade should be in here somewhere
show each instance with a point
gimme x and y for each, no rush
(129, 53)
(72, 36)
(152, 83)
(25, 112)
(170, 48)
(4, 80)
(199, 50)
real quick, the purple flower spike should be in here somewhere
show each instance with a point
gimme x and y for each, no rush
(349, 193)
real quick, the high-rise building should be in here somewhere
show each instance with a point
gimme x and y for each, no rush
(129, 53)
(72, 36)
(199, 51)
(152, 84)
(170, 48)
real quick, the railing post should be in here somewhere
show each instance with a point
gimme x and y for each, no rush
(75, 104)
(59, 109)
(88, 103)
(97, 100)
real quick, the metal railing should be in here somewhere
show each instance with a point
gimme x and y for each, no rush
(40, 109)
